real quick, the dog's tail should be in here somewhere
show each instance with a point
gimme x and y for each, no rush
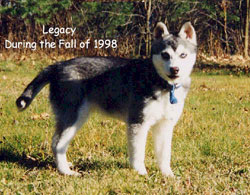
(34, 88)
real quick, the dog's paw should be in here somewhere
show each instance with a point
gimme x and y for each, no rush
(74, 173)
(168, 173)
(65, 170)
(70, 172)
(141, 170)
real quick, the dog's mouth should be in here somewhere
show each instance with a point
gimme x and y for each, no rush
(173, 76)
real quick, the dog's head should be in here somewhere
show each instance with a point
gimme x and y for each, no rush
(174, 56)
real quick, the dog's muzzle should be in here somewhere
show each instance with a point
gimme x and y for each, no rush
(174, 73)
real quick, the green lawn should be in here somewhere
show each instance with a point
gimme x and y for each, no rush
(210, 152)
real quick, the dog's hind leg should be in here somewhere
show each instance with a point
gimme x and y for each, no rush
(68, 123)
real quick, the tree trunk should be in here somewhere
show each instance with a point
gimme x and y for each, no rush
(148, 35)
(247, 31)
(224, 6)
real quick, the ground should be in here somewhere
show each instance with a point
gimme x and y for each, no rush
(210, 144)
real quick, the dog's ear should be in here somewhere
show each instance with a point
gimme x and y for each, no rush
(187, 32)
(160, 30)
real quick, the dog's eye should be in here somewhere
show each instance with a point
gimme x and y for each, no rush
(183, 55)
(165, 55)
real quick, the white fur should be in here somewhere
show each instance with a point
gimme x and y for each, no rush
(23, 104)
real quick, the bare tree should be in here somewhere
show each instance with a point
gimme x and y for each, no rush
(224, 6)
(247, 31)
(148, 7)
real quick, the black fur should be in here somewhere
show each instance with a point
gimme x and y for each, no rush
(97, 79)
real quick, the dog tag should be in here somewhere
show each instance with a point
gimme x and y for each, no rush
(173, 99)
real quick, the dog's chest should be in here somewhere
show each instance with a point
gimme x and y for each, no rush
(161, 108)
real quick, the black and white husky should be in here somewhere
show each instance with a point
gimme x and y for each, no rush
(143, 93)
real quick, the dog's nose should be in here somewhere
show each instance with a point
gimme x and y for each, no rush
(174, 70)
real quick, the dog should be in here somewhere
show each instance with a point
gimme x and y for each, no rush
(144, 93)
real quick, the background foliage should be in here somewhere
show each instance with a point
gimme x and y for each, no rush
(220, 24)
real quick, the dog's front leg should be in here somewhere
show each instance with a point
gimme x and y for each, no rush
(137, 136)
(162, 139)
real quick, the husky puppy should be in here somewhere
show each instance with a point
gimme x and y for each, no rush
(143, 93)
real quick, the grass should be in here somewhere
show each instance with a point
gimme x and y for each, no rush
(210, 152)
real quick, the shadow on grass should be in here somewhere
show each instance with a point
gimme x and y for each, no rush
(29, 162)
(100, 164)
(25, 160)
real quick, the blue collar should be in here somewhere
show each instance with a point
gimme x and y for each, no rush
(173, 99)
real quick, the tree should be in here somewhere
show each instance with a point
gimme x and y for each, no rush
(247, 30)
(148, 7)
